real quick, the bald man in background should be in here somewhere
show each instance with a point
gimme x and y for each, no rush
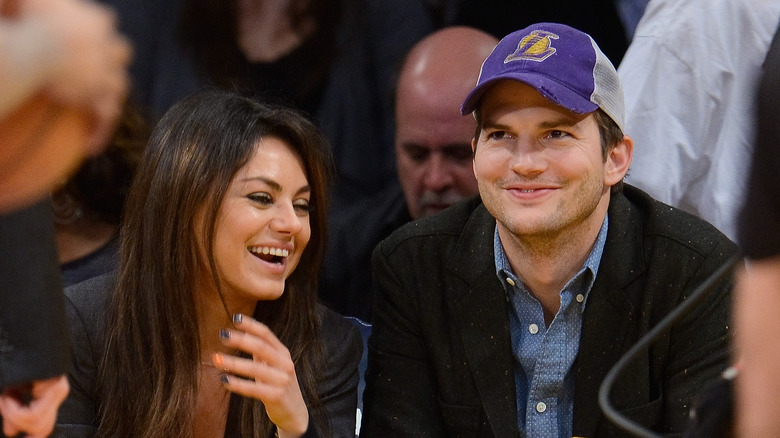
(433, 158)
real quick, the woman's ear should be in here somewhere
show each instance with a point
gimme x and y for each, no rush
(618, 161)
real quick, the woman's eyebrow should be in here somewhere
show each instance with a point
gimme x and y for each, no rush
(275, 185)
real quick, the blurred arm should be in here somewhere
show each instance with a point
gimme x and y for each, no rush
(757, 322)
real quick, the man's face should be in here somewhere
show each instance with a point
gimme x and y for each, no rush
(433, 150)
(539, 166)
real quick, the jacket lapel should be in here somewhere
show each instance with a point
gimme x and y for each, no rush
(608, 313)
(480, 311)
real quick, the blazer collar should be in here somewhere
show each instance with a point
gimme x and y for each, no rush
(479, 308)
(608, 313)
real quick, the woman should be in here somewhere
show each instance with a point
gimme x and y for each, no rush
(212, 327)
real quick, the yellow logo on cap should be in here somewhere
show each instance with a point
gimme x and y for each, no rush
(535, 46)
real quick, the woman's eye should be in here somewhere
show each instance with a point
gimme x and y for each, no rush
(302, 207)
(261, 198)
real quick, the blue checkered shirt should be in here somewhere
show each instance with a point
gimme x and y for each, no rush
(544, 355)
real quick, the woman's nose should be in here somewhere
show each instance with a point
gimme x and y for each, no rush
(286, 220)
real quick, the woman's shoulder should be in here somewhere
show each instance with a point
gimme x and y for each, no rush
(335, 325)
(341, 337)
(338, 375)
(92, 294)
(88, 300)
(85, 304)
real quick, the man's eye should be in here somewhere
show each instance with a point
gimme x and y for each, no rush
(558, 134)
(497, 135)
(417, 154)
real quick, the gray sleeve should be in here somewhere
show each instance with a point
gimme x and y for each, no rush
(85, 305)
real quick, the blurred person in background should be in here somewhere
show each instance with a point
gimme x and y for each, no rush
(333, 59)
(65, 59)
(433, 156)
(88, 207)
(690, 78)
(758, 287)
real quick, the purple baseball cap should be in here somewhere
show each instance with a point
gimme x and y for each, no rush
(563, 64)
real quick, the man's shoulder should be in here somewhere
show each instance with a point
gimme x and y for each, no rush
(662, 221)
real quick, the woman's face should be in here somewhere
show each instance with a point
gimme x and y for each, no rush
(262, 225)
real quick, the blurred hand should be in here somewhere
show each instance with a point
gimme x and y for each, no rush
(37, 417)
(268, 376)
(90, 60)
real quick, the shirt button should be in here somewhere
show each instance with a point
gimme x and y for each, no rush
(541, 407)
(510, 281)
(533, 329)
(580, 298)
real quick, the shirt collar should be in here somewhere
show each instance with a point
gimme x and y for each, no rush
(505, 273)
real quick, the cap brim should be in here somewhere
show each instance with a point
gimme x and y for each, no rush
(550, 89)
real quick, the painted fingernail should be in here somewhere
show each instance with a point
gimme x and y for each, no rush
(237, 317)
(219, 360)
(224, 378)
(224, 334)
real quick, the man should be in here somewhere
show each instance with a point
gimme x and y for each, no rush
(432, 139)
(502, 317)
(433, 153)
(69, 51)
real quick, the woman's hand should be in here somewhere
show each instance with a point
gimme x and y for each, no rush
(268, 376)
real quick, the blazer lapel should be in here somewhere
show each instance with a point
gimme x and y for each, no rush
(480, 310)
(608, 314)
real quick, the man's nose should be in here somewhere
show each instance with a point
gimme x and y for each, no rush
(438, 174)
(528, 158)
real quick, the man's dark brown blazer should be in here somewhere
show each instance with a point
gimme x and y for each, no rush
(440, 355)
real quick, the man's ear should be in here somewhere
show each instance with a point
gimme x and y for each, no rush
(473, 155)
(618, 161)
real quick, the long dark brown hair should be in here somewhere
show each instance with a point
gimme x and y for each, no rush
(148, 377)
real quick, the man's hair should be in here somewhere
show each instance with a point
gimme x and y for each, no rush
(610, 134)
